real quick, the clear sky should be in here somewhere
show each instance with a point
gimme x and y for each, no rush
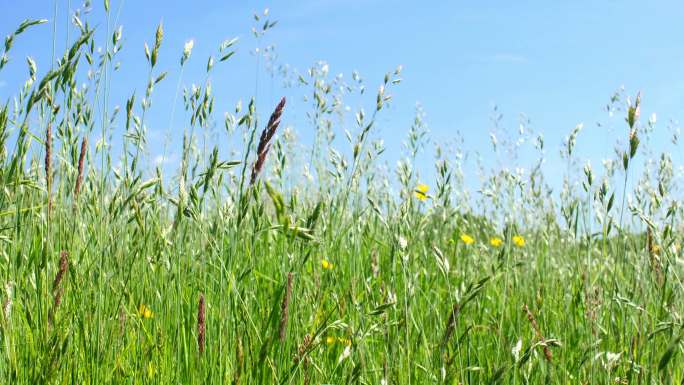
(558, 63)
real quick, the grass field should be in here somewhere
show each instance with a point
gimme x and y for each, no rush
(227, 271)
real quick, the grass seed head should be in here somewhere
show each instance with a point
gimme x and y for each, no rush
(537, 331)
(7, 305)
(81, 159)
(451, 323)
(239, 353)
(265, 140)
(48, 163)
(57, 287)
(285, 308)
(63, 266)
(654, 259)
(201, 324)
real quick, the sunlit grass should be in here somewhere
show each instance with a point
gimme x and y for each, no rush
(233, 271)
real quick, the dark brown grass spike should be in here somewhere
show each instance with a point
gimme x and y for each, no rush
(48, 163)
(57, 287)
(285, 308)
(537, 331)
(451, 323)
(265, 140)
(63, 266)
(81, 159)
(201, 325)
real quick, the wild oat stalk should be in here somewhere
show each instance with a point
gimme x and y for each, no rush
(265, 140)
(633, 113)
(653, 251)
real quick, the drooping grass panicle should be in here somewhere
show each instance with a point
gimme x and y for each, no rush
(81, 160)
(265, 140)
(285, 308)
(654, 258)
(7, 304)
(201, 324)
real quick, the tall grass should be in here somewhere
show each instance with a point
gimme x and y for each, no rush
(128, 275)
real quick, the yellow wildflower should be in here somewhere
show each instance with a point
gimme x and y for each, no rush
(519, 241)
(467, 239)
(496, 241)
(330, 340)
(326, 265)
(145, 311)
(421, 191)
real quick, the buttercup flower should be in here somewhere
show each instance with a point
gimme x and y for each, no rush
(326, 265)
(496, 241)
(467, 239)
(421, 191)
(519, 241)
(145, 311)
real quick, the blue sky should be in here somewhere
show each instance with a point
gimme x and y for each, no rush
(558, 63)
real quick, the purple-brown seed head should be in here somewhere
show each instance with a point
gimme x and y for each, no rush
(265, 140)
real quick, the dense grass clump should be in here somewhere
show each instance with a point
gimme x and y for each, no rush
(236, 271)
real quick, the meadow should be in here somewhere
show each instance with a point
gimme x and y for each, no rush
(233, 269)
